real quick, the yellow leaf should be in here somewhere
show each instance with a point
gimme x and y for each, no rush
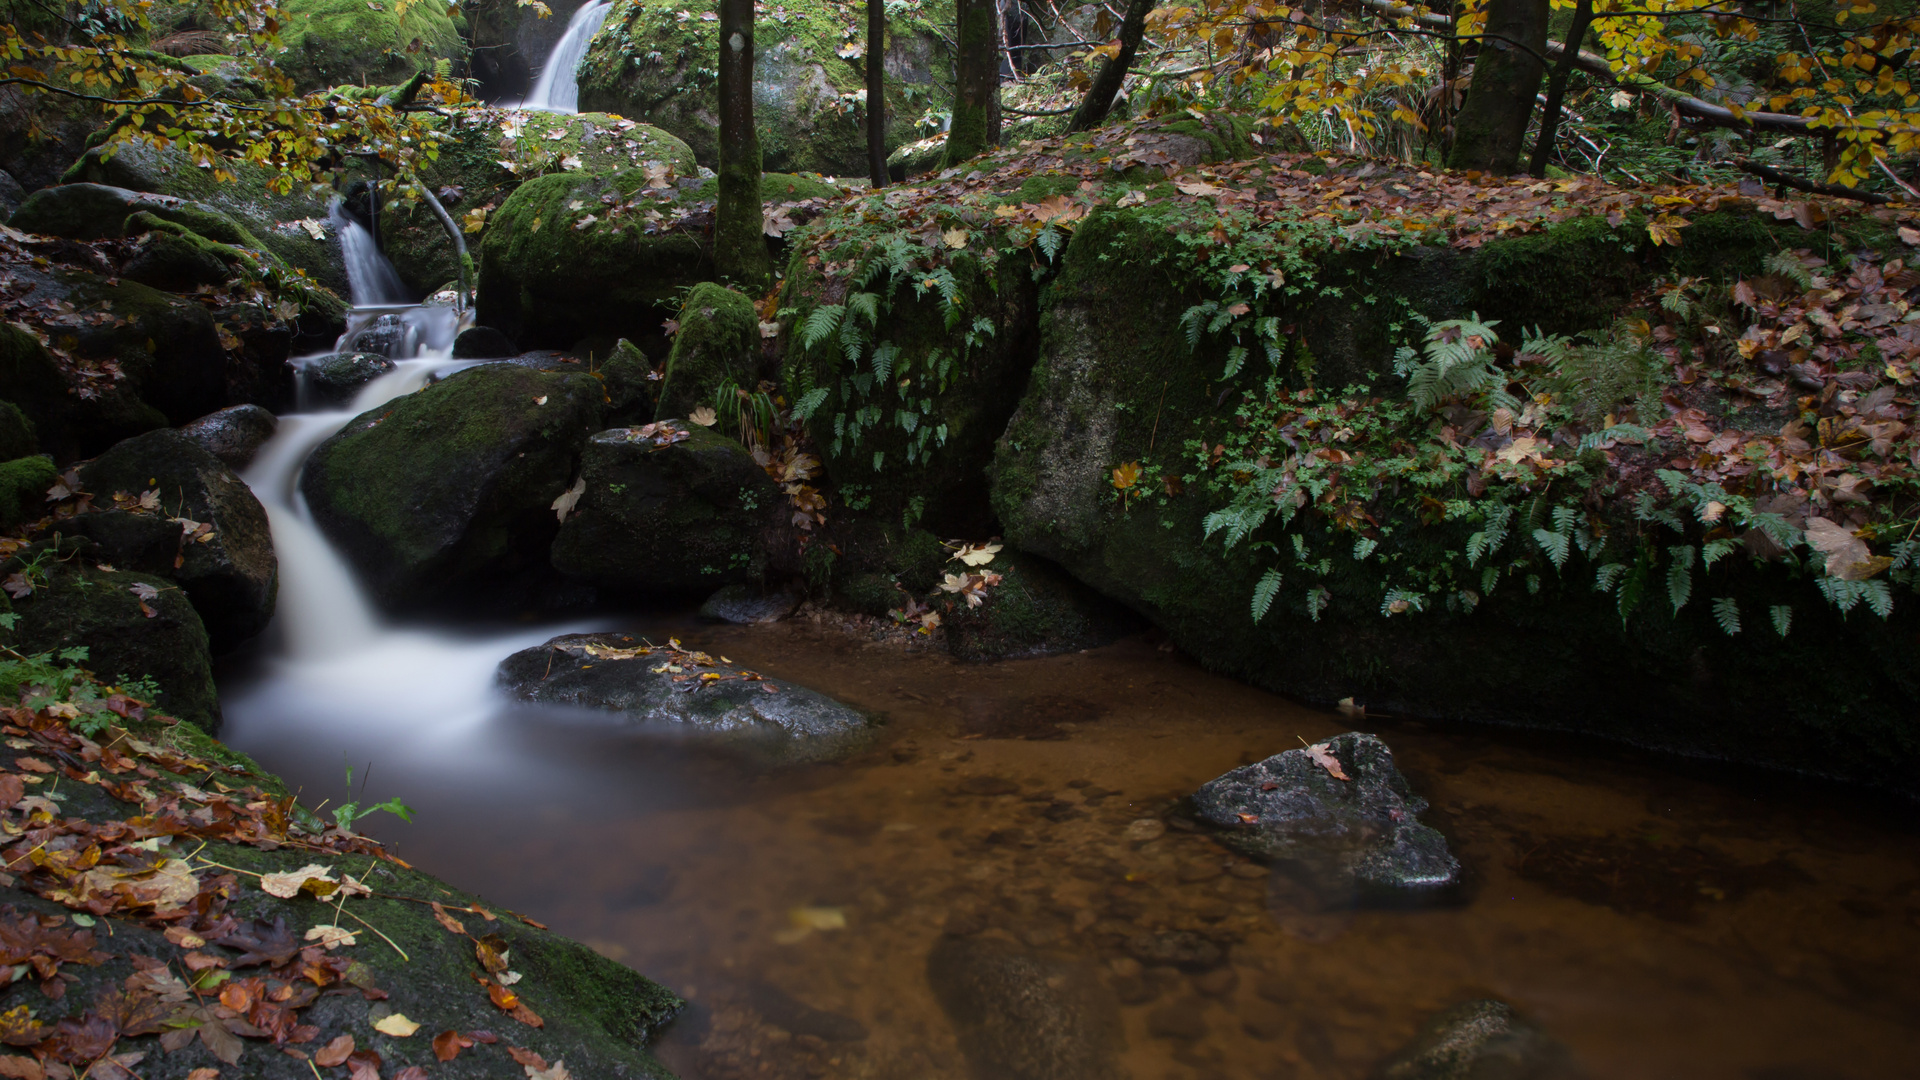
(396, 1025)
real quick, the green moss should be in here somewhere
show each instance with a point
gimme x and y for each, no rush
(333, 42)
(24, 483)
(1035, 610)
(780, 187)
(718, 344)
(17, 436)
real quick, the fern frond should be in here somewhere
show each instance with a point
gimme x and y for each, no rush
(1264, 592)
(1558, 546)
(820, 325)
(1605, 578)
(810, 403)
(1680, 576)
(1726, 612)
(1782, 615)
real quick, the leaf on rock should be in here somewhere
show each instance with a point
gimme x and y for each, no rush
(452, 924)
(448, 1044)
(263, 942)
(568, 499)
(333, 937)
(335, 1052)
(21, 1068)
(363, 1065)
(492, 953)
(703, 415)
(19, 1028)
(396, 1025)
(1848, 557)
(1322, 756)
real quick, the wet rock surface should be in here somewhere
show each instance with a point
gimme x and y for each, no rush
(233, 435)
(1480, 1040)
(483, 343)
(744, 604)
(1351, 840)
(1035, 610)
(333, 379)
(1025, 1015)
(684, 693)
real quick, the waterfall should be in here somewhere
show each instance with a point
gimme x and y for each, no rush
(372, 279)
(558, 89)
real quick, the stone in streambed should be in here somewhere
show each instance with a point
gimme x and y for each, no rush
(746, 604)
(483, 343)
(765, 718)
(234, 435)
(783, 1010)
(1480, 1040)
(333, 379)
(1354, 840)
(689, 514)
(1035, 610)
(228, 570)
(1023, 1015)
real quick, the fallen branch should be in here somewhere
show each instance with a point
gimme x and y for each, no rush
(1837, 191)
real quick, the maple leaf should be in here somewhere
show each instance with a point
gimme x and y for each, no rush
(491, 952)
(1322, 755)
(19, 1028)
(1126, 476)
(1196, 187)
(263, 942)
(333, 937)
(978, 554)
(144, 591)
(955, 238)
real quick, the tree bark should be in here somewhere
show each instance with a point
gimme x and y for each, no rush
(1491, 131)
(1113, 71)
(877, 91)
(739, 227)
(976, 77)
(1557, 89)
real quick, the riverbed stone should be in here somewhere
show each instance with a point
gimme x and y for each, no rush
(1356, 839)
(1479, 1040)
(694, 514)
(440, 495)
(230, 573)
(1022, 1014)
(718, 343)
(765, 719)
(234, 434)
(332, 379)
(1037, 609)
(745, 604)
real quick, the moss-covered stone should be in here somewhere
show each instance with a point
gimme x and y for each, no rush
(652, 63)
(332, 42)
(687, 517)
(550, 277)
(718, 344)
(24, 483)
(446, 493)
(17, 437)
(1035, 610)
(781, 187)
(872, 565)
(177, 260)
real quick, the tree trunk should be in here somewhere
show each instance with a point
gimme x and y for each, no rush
(976, 77)
(1557, 89)
(877, 91)
(739, 229)
(1491, 130)
(1113, 71)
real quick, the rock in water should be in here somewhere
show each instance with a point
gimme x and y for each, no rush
(233, 435)
(1024, 1016)
(483, 343)
(1357, 839)
(332, 380)
(690, 693)
(746, 604)
(1480, 1040)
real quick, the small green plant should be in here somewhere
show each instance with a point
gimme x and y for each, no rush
(1455, 361)
(346, 814)
(751, 413)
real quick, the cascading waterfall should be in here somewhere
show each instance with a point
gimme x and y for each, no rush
(371, 277)
(558, 88)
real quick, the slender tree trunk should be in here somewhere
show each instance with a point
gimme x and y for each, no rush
(739, 227)
(1491, 130)
(1113, 71)
(1557, 88)
(877, 91)
(976, 77)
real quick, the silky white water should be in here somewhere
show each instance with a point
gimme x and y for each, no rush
(371, 277)
(558, 88)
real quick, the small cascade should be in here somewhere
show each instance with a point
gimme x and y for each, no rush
(558, 88)
(370, 276)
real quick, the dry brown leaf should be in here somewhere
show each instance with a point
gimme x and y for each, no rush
(452, 924)
(1322, 756)
(335, 1052)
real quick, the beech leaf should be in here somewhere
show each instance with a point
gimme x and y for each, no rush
(396, 1025)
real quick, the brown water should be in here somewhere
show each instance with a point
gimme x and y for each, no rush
(1659, 924)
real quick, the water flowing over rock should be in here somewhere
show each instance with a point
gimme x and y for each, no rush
(445, 493)
(686, 694)
(331, 379)
(1356, 839)
(556, 89)
(1480, 1040)
(692, 514)
(234, 435)
(227, 568)
(1023, 1015)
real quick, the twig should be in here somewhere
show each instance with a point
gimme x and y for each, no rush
(1798, 183)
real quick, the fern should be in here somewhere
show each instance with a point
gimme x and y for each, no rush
(1364, 547)
(820, 325)
(1680, 576)
(1715, 550)
(865, 304)
(1400, 600)
(1264, 592)
(1787, 265)
(884, 355)
(1457, 362)
(1317, 601)
(1557, 546)
(1615, 367)
(1608, 576)
(1726, 612)
(810, 403)
(1194, 319)
(1237, 521)
(1782, 618)
(1236, 356)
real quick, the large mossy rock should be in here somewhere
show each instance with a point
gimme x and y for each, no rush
(688, 695)
(352, 42)
(549, 276)
(490, 152)
(718, 343)
(132, 625)
(656, 64)
(230, 572)
(1353, 838)
(691, 515)
(1037, 609)
(441, 495)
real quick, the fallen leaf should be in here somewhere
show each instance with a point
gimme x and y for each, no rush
(333, 937)
(313, 878)
(1323, 757)
(335, 1052)
(1848, 557)
(1349, 709)
(955, 238)
(363, 1065)
(562, 506)
(448, 1044)
(396, 1025)
(703, 415)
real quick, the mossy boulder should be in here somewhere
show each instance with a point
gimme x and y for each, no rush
(17, 436)
(689, 516)
(335, 42)
(24, 483)
(657, 64)
(490, 152)
(228, 570)
(560, 263)
(1037, 609)
(718, 343)
(872, 564)
(131, 624)
(178, 260)
(447, 492)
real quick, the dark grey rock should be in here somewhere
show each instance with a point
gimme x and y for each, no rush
(385, 336)
(11, 194)
(232, 575)
(1037, 609)
(1480, 1040)
(1358, 839)
(233, 435)
(173, 263)
(483, 343)
(1022, 1015)
(744, 604)
(783, 1010)
(334, 378)
(764, 718)
(87, 211)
